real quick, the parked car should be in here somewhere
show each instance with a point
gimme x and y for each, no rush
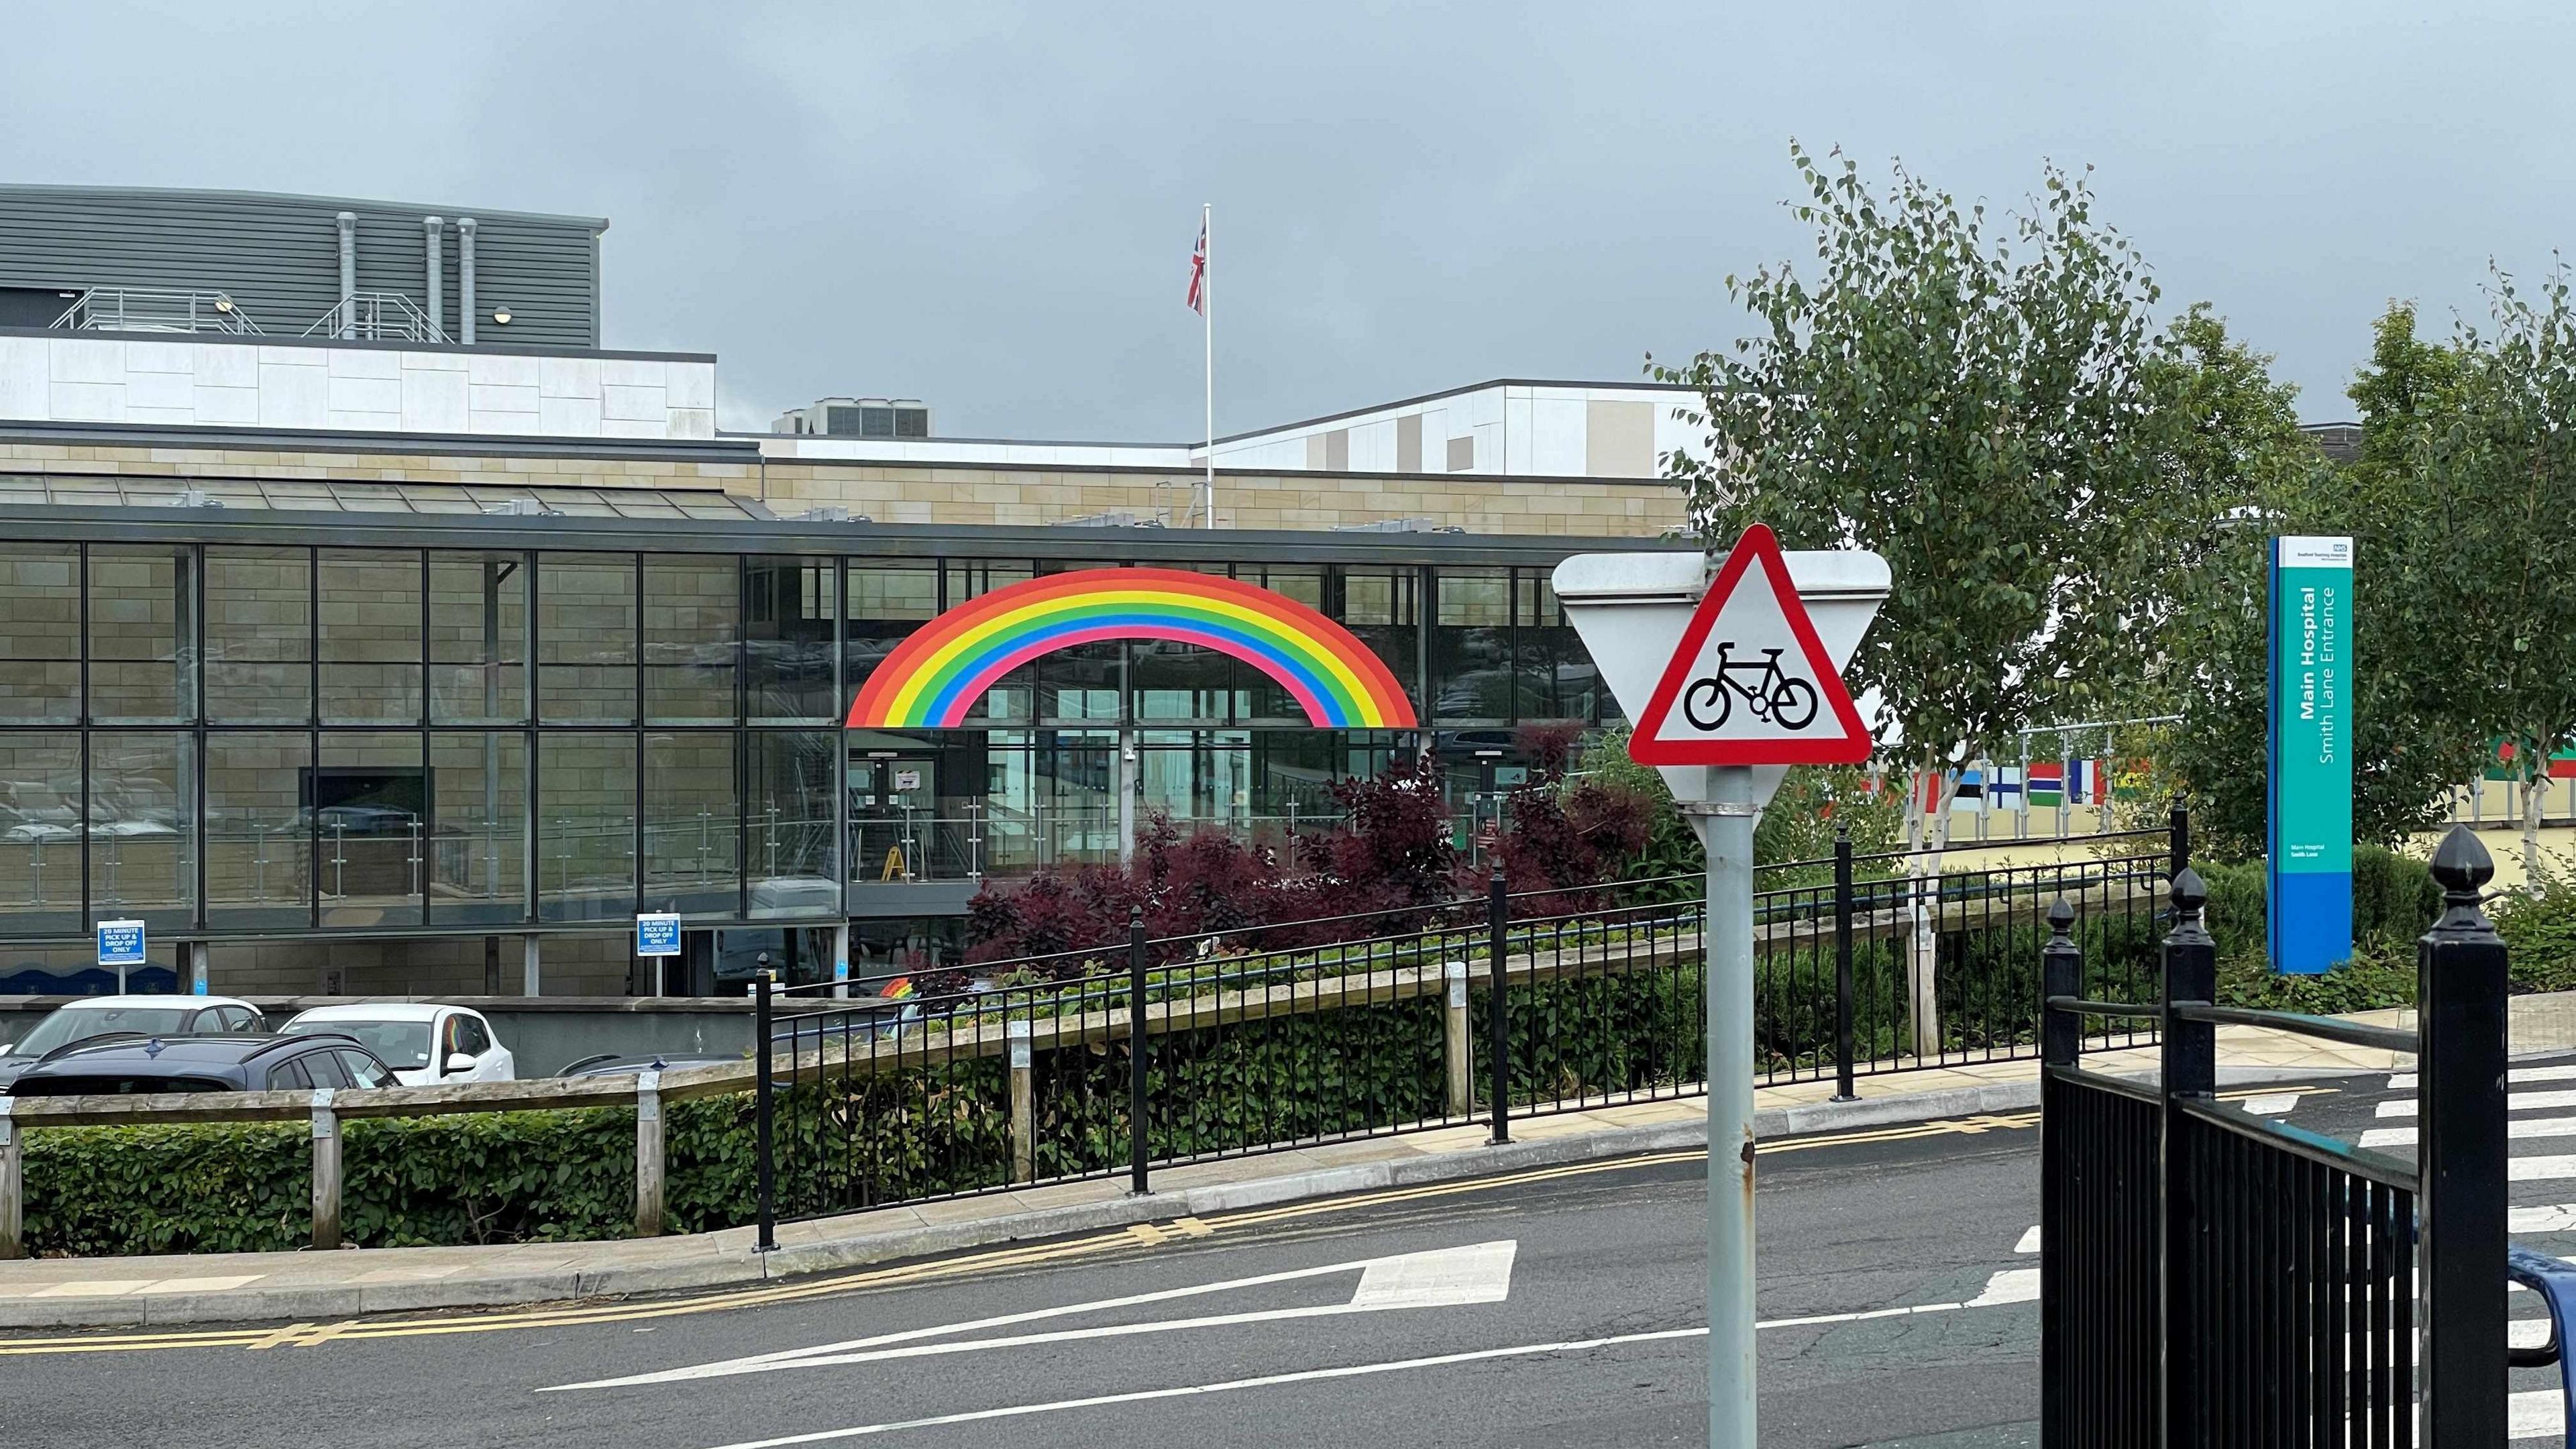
(612, 1064)
(424, 1043)
(78, 1021)
(133, 1065)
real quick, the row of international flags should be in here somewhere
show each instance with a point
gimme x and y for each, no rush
(2562, 765)
(2042, 784)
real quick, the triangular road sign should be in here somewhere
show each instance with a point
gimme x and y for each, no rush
(1750, 683)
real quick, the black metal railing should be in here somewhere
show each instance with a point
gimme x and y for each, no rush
(1905, 960)
(1483, 1009)
(2209, 1277)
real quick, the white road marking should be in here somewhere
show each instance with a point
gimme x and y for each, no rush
(1480, 1273)
(2405, 1081)
(1014, 1411)
(2557, 1218)
(2522, 1130)
(2536, 1414)
(2539, 1169)
(2272, 1104)
(2029, 1241)
(2513, 1102)
(2012, 1285)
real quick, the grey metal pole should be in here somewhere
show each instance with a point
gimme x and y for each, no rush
(1725, 826)
(1843, 965)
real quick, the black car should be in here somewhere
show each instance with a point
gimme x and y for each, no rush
(612, 1064)
(134, 1065)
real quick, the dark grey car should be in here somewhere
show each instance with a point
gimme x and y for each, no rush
(136, 1065)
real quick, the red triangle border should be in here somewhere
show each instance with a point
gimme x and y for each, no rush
(1851, 746)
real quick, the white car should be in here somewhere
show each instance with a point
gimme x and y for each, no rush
(76, 1021)
(425, 1044)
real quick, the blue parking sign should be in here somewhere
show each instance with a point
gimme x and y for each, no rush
(120, 943)
(657, 935)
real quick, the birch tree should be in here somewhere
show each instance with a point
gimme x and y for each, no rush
(2488, 503)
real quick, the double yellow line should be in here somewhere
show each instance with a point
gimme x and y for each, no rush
(1131, 1238)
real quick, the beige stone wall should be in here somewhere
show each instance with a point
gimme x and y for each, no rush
(1564, 506)
(582, 965)
(26, 457)
(918, 493)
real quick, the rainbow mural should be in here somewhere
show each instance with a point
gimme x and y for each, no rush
(933, 677)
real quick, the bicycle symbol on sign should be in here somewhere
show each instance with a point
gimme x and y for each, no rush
(1772, 693)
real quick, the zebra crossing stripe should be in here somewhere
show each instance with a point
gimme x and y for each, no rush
(2539, 1169)
(2521, 1131)
(2536, 1414)
(2513, 1102)
(2526, 1221)
(2405, 1081)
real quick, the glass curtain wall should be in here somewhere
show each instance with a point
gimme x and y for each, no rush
(246, 739)
(40, 634)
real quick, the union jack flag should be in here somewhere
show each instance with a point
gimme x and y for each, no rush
(1198, 274)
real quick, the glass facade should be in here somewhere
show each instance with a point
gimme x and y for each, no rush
(275, 740)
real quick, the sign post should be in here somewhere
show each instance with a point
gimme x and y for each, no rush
(2307, 862)
(1731, 680)
(120, 944)
(657, 939)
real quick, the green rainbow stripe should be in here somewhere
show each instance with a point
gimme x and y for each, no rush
(935, 676)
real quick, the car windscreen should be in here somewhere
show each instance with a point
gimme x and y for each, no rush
(71, 1024)
(403, 1045)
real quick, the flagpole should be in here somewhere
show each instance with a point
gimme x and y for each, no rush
(1207, 320)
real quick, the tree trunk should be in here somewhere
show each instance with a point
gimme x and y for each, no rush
(1928, 830)
(2535, 791)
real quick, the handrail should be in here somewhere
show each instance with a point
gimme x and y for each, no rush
(377, 317)
(155, 309)
(2082, 1007)
(536, 1095)
(2135, 1091)
(2325, 1028)
(2014, 844)
(2555, 1282)
(2300, 1142)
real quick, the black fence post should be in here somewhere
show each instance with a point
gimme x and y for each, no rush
(2460, 988)
(2061, 973)
(1136, 1050)
(2190, 1051)
(2177, 838)
(1498, 1050)
(2061, 1039)
(764, 1090)
(1843, 965)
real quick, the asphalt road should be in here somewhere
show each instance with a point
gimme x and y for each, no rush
(1489, 1328)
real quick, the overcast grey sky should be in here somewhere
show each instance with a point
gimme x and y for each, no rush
(992, 207)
